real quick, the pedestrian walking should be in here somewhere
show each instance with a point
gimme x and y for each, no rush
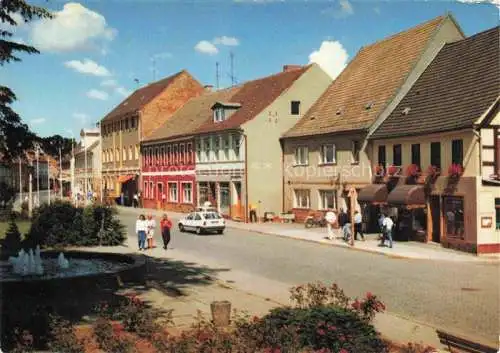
(136, 200)
(358, 225)
(151, 224)
(347, 231)
(381, 225)
(388, 224)
(140, 229)
(253, 213)
(331, 219)
(343, 218)
(165, 226)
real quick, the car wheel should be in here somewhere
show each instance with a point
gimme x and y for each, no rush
(199, 230)
(181, 228)
(220, 231)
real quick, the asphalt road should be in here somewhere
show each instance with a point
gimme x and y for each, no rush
(460, 297)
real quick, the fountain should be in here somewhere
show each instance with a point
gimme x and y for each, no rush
(27, 263)
(62, 262)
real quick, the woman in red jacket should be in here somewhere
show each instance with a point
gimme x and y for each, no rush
(165, 225)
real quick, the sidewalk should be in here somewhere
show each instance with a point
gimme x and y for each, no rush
(405, 250)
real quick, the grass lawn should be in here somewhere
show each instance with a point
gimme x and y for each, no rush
(24, 227)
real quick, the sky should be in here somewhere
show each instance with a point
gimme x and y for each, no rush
(93, 51)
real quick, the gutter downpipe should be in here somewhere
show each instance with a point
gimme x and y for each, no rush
(282, 144)
(476, 133)
(246, 178)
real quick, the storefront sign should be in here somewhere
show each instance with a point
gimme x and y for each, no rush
(486, 222)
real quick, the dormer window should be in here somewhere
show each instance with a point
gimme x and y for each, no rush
(219, 115)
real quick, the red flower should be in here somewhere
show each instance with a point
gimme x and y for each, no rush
(320, 332)
(369, 295)
(392, 170)
(455, 170)
(343, 350)
(378, 170)
(332, 328)
(412, 170)
(356, 305)
(432, 170)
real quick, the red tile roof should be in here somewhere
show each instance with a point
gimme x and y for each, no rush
(137, 100)
(254, 96)
(460, 84)
(372, 77)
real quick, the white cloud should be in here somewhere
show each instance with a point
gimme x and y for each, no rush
(205, 47)
(81, 117)
(123, 91)
(96, 94)
(331, 57)
(88, 67)
(109, 83)
(344, 10)
(493, 2)
(224, 40)
(73, 28)
(37, 121)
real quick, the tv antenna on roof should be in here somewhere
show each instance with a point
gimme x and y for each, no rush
(231, 75)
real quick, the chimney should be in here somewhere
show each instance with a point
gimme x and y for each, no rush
(287, 68)
(208, 88)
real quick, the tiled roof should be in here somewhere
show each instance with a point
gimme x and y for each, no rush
(254, 96)
(460, 84)
(372, 77)
(191, 116)
(137, 100)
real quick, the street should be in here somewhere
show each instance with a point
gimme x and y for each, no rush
(455, 296)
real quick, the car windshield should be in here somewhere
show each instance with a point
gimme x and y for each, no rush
(211, 215)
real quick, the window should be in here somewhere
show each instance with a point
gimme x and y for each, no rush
(189, 153)
(219, 115)
(302, 199)
(226, 145)
(453, 208)
(381, 156)
(396, 155)
(151, 190)
(132, 123)
(355, 151)
(137, 151)
(168, 156)
(182, 154)
(126, 124)
(206, 149)
(295, 107)
(146, 189)
(301, 155)
(237, 145)
(216, 147)
(160, 191)
(457, 152)
(436, 154)
(497, 213)
(130, 153)
(328, 154)
(162, 155)
(415, 154)
(187, 193)
(327, 199)
(172, 192)
(198, 151)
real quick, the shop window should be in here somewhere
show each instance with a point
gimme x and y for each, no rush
(327, 199)
(204, 193)
(355, 152)
(396, 155)
(302, 199)
(172, 192)
(453, 209)
(457, 152)
(415, 154)
(301, 155)
(187, 193)
(382, 156)
(497, 213)
(436, 154)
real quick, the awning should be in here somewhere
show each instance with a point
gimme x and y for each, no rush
(125, 178)
(373, 193)
(407, 195)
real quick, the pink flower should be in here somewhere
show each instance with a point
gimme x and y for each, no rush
(343, 350)
(369, 295)
(320, 332)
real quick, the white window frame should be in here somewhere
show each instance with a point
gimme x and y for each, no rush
(130, 156)
(296, 196)
(305, 155)
(219, 115)
(323, 154)
(322, 199)
(236, 147)
(189, 153)
(183, 184)
(170, 198)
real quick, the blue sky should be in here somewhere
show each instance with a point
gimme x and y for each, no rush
(94, 50)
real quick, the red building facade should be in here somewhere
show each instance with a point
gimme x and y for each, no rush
(168, 175)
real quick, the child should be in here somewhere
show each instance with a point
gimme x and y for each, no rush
(151, 224)
(165, 225)
(140, 229)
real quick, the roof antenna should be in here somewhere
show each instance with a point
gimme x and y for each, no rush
(231, 75)
(217, 75)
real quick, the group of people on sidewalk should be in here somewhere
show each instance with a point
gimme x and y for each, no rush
(145, 229)
(385, 223)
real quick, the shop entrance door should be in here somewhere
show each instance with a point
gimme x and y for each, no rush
(436, 219)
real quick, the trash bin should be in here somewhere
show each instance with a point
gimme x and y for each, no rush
(221, 313)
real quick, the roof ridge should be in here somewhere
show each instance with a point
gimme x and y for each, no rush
(473, 37)
(281, 73)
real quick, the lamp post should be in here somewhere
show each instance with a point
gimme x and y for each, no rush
(48, 178)
(37, 154)
(20, 182)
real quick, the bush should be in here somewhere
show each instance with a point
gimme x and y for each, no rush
(63, 337)
(138, 318)
(62, 224)
(110, 337)
(12, 240)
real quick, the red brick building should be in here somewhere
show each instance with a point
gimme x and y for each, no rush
(168, 156)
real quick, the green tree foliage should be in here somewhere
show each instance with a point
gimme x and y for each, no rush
(12, 240)
(7, 194)
(51, 145)
(15, 136)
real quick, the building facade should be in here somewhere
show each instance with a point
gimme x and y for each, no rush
(87, 168)
(326, 154)
(435, 153)
(133, 120)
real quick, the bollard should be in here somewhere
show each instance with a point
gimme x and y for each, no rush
(221, 313)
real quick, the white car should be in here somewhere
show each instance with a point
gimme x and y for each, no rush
(202, 222)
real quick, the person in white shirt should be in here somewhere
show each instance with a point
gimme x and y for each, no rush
(358, 225)
(140, 229)
(387, 225)
(151, 224)
(331, 219)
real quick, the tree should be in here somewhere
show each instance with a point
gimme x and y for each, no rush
(15, 136)
(51, 145)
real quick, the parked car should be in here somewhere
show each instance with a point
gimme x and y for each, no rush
(202, 222)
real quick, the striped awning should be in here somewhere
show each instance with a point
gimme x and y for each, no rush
(373, 193)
